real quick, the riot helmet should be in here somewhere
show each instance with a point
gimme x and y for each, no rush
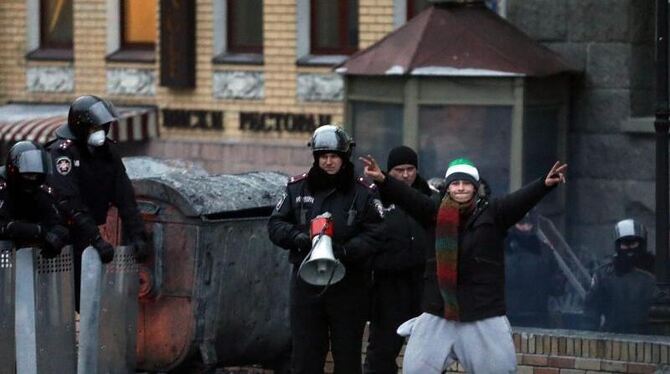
(90, 118)
(630, 245)
(27, 166)
(630, 231)
(331, 138)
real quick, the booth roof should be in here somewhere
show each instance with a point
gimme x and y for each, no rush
(456, 41)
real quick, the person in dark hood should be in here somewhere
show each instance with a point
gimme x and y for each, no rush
(89, 178)
(334, 315)
(532, 275)
(398, 270)
(463, 299)
(28, 212)
(622, 289)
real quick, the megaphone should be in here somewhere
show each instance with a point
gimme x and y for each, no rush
(320, 268)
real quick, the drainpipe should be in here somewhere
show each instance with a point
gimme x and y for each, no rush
(660, 313)
(661, 125)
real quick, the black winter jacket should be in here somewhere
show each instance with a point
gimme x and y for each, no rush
(356, 220)
(405, 239)
(88, 183)
(481, 270)
(37, 212)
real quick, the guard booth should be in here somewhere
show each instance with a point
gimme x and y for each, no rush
(215, 292)
(458, 80)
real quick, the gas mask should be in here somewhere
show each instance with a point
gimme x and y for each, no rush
(97, 138)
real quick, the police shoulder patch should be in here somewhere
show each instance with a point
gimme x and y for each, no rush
(63, 165)
(3, 185)
(281, 201)
(297, 178)
(366, 183)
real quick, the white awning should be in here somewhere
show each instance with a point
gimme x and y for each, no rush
(38, 122)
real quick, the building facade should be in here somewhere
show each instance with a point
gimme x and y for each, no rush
(239, 85)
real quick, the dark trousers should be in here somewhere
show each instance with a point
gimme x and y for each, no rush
(395, 299)
(337, 317)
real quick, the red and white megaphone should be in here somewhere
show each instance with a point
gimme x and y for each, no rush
(320, 268)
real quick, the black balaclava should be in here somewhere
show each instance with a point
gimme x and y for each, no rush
(318, 179)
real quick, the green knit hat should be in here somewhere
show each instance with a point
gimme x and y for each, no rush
(462, 169)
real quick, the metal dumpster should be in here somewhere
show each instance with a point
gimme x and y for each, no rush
(215, 292)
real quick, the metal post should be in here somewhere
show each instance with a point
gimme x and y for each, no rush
(661, 125)
(660, 311)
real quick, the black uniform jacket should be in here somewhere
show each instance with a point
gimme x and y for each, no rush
(481, 270)
(356, 218)
(406, 239)
(36, 208)
(624, 299)
(88, 183)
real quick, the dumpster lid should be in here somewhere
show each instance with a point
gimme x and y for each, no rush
(139, 167)
(214, 196)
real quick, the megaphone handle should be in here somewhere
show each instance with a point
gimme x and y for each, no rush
(325, 288)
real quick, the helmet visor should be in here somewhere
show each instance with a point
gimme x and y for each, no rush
(101, 114)
(33, 162)
(629, 228)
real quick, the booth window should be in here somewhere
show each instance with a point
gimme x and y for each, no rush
(241, 31)
(415, 7)
(334, 27)
(137, 31)
(377, 128)
(55, 31)
(478, 132)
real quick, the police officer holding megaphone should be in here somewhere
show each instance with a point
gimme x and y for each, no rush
(325, 311)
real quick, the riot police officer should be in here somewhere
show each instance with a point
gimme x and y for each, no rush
(338, 313)
(28, 213)
(622, 290)
(532, 275)
(89, 177)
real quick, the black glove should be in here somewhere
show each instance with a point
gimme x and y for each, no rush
(140, 249)
(105, 250)
(22, 230)
(302, 242)
(339, 251)
(54, 241)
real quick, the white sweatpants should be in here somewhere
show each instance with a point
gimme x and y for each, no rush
(482, 347)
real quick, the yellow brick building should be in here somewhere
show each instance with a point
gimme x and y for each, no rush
(287, 78)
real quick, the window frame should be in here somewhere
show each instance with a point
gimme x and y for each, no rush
(43, 19)
(134, 46)
(343, 21)
(231, 48)
(37, 47)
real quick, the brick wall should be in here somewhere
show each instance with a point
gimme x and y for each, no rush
(568, 352)
(90, 65)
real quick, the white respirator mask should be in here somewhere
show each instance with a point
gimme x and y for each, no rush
(96, 139)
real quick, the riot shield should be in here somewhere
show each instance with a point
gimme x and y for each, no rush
(7, 266)
(108, 318)
(45, 326)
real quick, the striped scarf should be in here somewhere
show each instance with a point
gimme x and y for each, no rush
(449, 217)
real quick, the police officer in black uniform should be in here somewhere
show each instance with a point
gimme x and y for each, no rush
(622, 290)
(338, 314)
(89, 177)
(28, 213)
(532, 275)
